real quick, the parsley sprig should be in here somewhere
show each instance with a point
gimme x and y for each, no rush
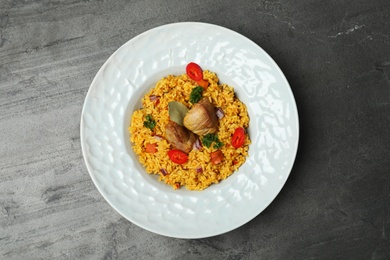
(196, 94)
(211, 138)
(149, 122)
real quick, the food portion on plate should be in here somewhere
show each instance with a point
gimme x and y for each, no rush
(191, 130)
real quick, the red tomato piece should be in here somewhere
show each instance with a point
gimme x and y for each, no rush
(194, 71)
(178, 156)
(216, 157)
(203, 83)
(151, 148)
(238, 137)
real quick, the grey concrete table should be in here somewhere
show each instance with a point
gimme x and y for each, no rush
(336, 56)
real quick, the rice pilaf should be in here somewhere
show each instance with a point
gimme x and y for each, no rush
(198, 172)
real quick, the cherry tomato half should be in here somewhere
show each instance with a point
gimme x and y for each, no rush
(238, 137)
(178, 156)
(194, 71)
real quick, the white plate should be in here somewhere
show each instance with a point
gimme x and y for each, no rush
(117, 90)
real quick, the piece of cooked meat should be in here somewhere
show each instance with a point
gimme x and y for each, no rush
(179, 137)
(201, 118)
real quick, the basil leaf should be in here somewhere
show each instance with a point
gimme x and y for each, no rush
(177, 112)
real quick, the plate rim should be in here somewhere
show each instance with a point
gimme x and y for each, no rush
(280, 72)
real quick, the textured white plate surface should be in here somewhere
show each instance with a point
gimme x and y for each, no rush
(116, 92)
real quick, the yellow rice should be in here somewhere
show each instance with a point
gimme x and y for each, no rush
(178, 88)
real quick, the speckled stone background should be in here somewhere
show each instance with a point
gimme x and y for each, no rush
(336, 56)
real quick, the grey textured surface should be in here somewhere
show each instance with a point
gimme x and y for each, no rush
(336, 56)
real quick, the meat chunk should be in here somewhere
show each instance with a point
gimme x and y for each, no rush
(179, 137)
(201, 118)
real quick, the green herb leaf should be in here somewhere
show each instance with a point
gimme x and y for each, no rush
(177, 112)
(208, 140)
(149, 122)
(212, 138)
(196, 94)
(218, 144)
